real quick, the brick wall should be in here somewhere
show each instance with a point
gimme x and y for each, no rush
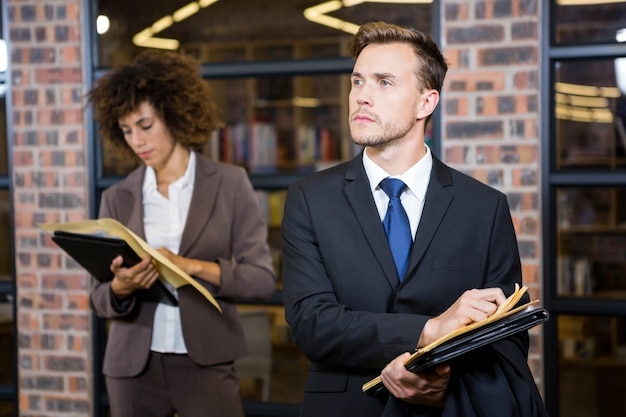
(491, 116)
(49, 184)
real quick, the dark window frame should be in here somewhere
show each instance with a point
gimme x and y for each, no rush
(9, 392)
(552, 179)
(259, 181)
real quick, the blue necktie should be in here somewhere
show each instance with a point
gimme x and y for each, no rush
(396, 224)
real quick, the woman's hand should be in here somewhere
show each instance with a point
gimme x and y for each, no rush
(421, 388)
(126, 280)
(204, 270)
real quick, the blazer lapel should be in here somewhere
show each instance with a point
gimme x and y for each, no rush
(131, 202)
(436, 203)
(204, 195)
(357, 191)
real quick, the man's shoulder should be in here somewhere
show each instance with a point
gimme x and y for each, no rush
(464, 180)
(326, 177)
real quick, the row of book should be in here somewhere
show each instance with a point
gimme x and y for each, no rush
(256, 146)
(272, 205)
(249, 144)
(574, 276)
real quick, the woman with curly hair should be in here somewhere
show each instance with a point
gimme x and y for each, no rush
(178, 358)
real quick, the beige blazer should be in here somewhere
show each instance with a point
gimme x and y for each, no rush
(224, 225)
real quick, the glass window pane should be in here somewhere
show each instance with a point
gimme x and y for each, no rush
(275, 369)
(590, 112)
(4, 59)
(272, 124)
(7, 345)
(591, 242)
(7, 408)
(4, 143)
(238, 24)
(6, 256)
(591, 23)
(592, 366)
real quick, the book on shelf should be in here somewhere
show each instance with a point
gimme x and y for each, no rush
(508, 319)
(93, 244)
(314, 144)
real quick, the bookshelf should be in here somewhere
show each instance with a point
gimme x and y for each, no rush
(284, 105)
(286, 117)
(591, 237)
(280, 121)
(585, 214)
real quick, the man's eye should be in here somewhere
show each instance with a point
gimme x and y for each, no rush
(357, 82)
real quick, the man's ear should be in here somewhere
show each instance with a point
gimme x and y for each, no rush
(428, 103)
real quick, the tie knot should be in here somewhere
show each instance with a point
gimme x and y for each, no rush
(393, 187)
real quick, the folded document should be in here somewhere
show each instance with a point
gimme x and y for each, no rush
(505, 322)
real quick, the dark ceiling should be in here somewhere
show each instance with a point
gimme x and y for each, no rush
(243, 21)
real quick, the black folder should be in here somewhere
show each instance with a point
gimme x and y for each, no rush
(95, 253)
(465, 342)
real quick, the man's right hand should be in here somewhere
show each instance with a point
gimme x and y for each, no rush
(471, 307)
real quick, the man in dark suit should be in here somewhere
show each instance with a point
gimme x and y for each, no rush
(354, 311)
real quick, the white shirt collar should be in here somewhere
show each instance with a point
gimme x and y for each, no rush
(150, 181)
(416, 178)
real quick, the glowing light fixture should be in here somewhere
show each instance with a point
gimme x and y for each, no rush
(102, 24)
(584, 103)
(145, 38)
(319, 13)
(586, 2)
(4, 58)
(309, 102)
(184, 12)
(620, 63)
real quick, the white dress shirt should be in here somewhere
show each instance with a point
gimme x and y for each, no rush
(164, 221)
(416, 178)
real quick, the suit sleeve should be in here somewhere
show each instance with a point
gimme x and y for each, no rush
(249, 272)
(102, 300)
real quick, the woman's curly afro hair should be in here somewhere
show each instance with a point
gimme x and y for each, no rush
(171, 83)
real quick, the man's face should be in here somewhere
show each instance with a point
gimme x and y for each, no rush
(385, 95)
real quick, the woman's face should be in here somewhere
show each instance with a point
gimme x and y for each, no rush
(148, 136)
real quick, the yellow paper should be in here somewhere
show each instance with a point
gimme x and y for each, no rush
(171, 273)
(505, 309)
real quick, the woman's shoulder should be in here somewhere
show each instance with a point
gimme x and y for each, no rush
(207, 166)
(131, 181)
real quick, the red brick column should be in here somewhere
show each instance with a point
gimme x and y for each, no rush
(490, 114)
(49, 184)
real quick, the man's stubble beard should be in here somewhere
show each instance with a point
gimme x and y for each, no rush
(388, 133)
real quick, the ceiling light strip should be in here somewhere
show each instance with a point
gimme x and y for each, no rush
(145, 38)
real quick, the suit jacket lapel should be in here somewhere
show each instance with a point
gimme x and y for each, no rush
(436, 203)
(131, 201)
(359, 195)
(204, 195)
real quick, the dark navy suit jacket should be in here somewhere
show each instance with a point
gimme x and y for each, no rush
(350, 315)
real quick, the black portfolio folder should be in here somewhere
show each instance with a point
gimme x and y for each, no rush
(467, 341)
(95, 253)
